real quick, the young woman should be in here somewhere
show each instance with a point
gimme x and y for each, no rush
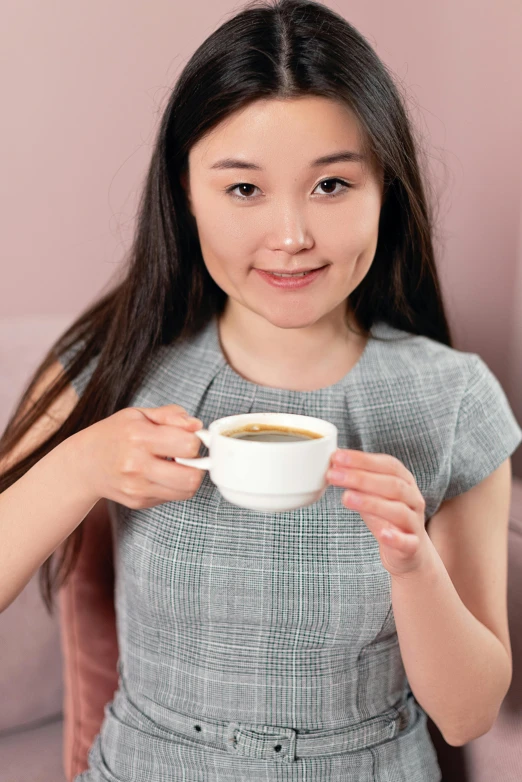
(310, 644)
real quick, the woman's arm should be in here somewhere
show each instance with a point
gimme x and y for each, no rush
(452, 617)
(449, 585)
(457, 669)
(42, 508)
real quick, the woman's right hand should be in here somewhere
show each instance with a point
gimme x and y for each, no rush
(124, 456)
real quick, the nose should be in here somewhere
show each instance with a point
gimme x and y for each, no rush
(290, 231)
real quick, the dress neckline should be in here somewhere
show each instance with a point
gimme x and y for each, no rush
(350, 377)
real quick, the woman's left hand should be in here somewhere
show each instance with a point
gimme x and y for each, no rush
(386, 496)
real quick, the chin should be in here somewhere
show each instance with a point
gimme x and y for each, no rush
(288, 320)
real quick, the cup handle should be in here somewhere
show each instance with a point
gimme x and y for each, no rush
(200, 462)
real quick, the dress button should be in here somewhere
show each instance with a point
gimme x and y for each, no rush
(277, 747)
(197, 727)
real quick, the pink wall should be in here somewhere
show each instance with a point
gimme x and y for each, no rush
(83, 89)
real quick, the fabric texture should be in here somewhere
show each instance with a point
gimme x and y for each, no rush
(258, 646)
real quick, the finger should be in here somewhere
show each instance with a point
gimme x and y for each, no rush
(404, 541)
(374, 462)
(400, 539)
(179, 477)
(174, 441)
(382, 484)
(166, 414)
(396, 512)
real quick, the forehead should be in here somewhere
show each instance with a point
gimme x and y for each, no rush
(275, 133)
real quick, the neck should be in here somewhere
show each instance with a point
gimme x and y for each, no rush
(301, 358)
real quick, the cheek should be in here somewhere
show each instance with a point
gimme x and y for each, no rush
(225, 262)
(347, 246)
(228, 238)
(352, 232)
(224, 227)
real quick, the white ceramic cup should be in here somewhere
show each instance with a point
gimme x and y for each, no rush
(267, 476)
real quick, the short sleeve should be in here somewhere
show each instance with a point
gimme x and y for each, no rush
(486, 431)
(80, 382)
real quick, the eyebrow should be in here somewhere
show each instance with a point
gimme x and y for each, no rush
(345, 156)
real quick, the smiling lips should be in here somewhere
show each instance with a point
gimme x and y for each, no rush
(287, 273)
(291, 280)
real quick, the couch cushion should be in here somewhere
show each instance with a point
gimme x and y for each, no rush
(89, 641)
(33, 755)
(31, 661)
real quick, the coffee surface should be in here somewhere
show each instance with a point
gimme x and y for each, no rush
(270, 433)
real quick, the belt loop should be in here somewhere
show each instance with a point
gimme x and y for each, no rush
(265, 742)
(405, 715)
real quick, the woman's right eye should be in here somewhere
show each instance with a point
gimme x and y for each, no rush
(240, 197)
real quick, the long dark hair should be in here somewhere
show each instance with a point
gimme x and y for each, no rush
(280, 49)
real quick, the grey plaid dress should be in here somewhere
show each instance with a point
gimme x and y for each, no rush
(262, 647)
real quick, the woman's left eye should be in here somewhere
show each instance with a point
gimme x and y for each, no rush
(345, 186)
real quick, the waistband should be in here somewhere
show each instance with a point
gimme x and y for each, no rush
(282, 744)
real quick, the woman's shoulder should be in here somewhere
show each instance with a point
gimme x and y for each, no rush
(405, 353)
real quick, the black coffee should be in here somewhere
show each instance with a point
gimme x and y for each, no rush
(271, 433)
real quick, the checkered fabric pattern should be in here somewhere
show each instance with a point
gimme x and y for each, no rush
(262, 647)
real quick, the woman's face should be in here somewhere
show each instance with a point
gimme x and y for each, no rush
(288, 212)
